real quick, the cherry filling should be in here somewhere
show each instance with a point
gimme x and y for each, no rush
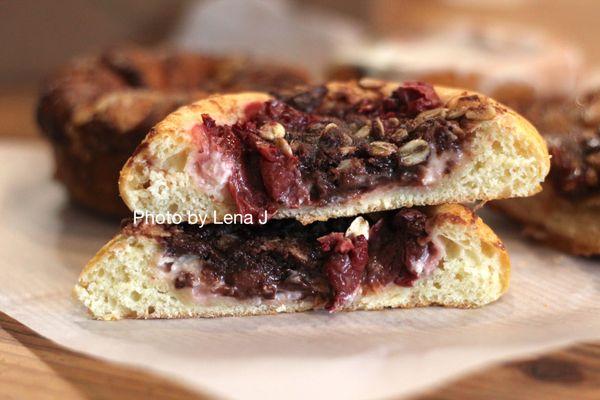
(313, 146)
(402, 265)
(284, 259)
(414, 97)
(281, 175)
(246, 188)
(344, 266)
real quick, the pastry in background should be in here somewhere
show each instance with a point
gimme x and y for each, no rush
(96, 110)
(511, 65)
(566, 214)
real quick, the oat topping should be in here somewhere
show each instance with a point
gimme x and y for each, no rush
(320, 146)
(414, 152)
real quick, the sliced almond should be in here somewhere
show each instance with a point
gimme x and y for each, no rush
(456, 113)
(345, 139)
(460, 105)
(453, 102)
(414, 152)
(470, 101)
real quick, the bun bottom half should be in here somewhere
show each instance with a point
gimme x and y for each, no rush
(123, 279)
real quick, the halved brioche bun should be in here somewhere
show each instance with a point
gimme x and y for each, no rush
(123, 279)
(507, 158)
(571, 226)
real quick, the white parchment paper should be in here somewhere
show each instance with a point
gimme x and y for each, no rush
(554, 300)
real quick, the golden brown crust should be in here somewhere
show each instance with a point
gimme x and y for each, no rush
(224, 109)
(458, 214)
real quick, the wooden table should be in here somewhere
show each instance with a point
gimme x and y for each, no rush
(34, 367)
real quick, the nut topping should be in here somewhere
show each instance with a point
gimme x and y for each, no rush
(284, 146)
(366, 140)
(271, 131)
(475, 106)
(414, 152)
(345, 139)
(470, 101)
(382, 149)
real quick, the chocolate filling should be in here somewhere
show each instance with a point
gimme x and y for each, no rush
(317, 261)
(313, 146)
